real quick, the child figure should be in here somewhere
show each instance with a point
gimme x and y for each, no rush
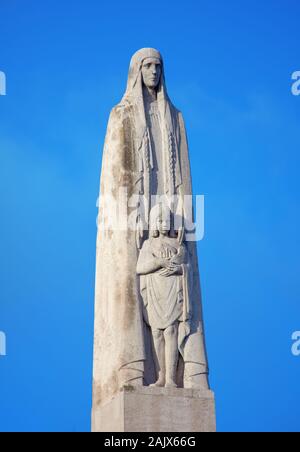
(162, 266)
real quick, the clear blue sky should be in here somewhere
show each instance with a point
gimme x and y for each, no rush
(228, 68)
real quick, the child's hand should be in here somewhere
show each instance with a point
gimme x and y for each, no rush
(171, 269)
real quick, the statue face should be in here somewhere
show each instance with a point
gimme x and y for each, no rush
(163, 226)
(151, 71)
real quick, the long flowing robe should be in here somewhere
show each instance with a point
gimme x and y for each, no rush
(166, 299)
(154, 123)
(119, 340)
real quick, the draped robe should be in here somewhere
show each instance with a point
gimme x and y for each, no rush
(120, 351)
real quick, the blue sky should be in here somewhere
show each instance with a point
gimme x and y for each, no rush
(228, 68)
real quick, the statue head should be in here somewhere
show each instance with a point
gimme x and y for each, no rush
(163, 225)
(146, 69)
(151, 72)
(160, 220)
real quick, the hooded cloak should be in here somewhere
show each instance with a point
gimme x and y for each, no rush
(121, 356)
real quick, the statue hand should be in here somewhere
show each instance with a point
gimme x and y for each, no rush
(171, 269)
(174, 269)
(165, 272)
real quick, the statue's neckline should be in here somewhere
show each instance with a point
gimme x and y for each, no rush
(151, 107)
(149, 99)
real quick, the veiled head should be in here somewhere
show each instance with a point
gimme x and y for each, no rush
(146, 68)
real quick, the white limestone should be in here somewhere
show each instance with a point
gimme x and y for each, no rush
(148, 313)
(148, 409)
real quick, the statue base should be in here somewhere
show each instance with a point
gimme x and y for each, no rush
(152, 409)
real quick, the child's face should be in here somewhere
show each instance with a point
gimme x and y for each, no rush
(163, 225)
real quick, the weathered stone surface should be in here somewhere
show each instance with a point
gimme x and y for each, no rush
(151, 409)
(148, 308)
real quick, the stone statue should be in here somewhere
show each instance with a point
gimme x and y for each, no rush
(148, 321)
(163, 266)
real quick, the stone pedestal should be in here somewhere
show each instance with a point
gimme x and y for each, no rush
(151, 409)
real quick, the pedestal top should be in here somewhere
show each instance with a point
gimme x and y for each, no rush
(168, 392)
